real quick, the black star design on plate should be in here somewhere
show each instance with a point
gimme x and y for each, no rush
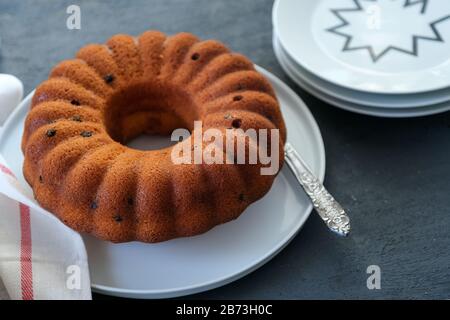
(377, 56)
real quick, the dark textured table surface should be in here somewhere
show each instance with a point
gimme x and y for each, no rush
(393, 176)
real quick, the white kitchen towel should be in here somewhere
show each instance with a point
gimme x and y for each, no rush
(40, 258)
(3, 294)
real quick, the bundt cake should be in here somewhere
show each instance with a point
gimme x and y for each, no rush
(75, 135)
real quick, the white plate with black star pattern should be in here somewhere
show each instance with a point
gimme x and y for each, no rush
(357, 102)
(376, 46)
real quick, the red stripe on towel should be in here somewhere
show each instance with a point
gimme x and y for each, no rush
(26, 270)
(6, 170)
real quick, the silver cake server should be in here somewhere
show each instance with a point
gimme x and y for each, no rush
(326, 206)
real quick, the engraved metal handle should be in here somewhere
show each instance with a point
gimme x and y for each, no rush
(326, 206)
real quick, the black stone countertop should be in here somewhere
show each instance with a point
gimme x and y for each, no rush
(393, 176)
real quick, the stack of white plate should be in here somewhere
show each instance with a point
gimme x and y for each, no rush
(388, 58)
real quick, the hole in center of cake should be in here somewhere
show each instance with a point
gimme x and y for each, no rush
(151, 142)
(144, 115)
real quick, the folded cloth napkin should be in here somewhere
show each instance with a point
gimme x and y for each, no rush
(40, 258)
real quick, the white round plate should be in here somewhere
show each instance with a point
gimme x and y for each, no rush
(353, 107)
(365, 98)
(378, 46)
(224, 254)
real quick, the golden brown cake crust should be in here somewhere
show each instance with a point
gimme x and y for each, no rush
(76, 159)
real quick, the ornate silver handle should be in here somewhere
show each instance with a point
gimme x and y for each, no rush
(326, 206)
